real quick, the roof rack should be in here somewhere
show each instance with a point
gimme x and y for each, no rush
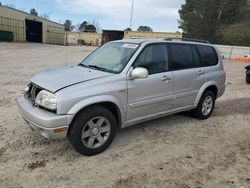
(187, 40)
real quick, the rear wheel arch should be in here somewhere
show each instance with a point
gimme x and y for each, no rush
(205, 106)
(209, 86)
(212, 88)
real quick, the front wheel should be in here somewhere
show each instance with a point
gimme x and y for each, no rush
(92, 131)
(205, 106)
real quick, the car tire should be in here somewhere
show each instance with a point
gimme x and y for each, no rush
(205, 106)
(248, 79)
(92, 131)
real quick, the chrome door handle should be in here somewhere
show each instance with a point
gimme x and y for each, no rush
(165, 78)
(201, 72)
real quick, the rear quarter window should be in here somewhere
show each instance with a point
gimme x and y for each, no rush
(208, 55)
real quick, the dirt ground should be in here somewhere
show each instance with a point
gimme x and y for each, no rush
(175, 151)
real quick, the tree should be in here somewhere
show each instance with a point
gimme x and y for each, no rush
(97, 25)
(45, 16)
(87, 27)
(198, 19)
(68, 25)
(145, 29)
(77, 26)
(206, 19)
(33, 12)
(90, 28)
(0, 3)
(128, 29)
(83, 26)
(234, 34)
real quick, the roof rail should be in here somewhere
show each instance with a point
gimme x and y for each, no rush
(187, 40)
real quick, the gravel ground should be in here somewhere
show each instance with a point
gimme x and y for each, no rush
(175, 151)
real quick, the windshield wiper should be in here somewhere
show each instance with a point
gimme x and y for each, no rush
(98, 68)
(94, 66)
(82, 65)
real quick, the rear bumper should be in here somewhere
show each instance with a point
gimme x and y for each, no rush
(221, 90)
(49, 125)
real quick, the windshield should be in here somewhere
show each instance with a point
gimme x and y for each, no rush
(111, 57)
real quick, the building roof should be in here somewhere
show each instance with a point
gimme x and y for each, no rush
(30, 14)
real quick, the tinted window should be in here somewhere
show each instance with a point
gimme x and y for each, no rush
(196, 57)
(208, 55)
(182, 56)
(154, 58)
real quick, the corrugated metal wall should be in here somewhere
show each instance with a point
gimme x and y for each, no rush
(15, 26)
(55, 35)
(14, 20)
(74, 38)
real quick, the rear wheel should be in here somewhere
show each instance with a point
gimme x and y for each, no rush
(205, 106)
(92, 131)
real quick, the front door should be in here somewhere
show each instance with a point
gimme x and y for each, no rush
(153, 95)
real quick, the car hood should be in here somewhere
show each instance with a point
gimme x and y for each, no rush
(58, 78)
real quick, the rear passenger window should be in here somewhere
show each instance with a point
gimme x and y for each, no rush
(154, 58)
(196, 57)
(182, 56)
(208, 55)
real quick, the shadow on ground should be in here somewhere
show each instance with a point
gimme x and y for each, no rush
(232, 106)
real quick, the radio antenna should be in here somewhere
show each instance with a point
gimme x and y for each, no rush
(66, 49)
(131, 16)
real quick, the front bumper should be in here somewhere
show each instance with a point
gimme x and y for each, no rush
(48, 124)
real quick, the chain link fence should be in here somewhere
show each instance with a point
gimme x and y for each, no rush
(231, 52)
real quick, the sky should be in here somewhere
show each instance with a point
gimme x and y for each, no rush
(160, 15)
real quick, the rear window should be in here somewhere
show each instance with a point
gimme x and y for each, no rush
(208, 55)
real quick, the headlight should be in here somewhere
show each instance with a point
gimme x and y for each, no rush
(26, 89)
(46, 99)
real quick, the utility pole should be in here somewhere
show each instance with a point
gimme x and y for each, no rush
(131, 17)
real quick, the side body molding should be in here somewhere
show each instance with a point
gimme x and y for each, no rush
(202, 89)
(98, 99)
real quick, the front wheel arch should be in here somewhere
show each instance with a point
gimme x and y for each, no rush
(113, 108)
(76, 134)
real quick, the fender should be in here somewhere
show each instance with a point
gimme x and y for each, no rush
(98, 99)
(202, 89)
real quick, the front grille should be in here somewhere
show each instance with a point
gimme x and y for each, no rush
(32, 92)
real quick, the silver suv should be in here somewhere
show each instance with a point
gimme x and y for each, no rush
(120, 84)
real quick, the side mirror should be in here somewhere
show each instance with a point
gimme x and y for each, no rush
(139, 73)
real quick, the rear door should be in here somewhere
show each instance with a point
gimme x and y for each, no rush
(188, 75)
(210, 63)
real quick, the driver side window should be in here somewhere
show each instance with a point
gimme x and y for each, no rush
(154, 58)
